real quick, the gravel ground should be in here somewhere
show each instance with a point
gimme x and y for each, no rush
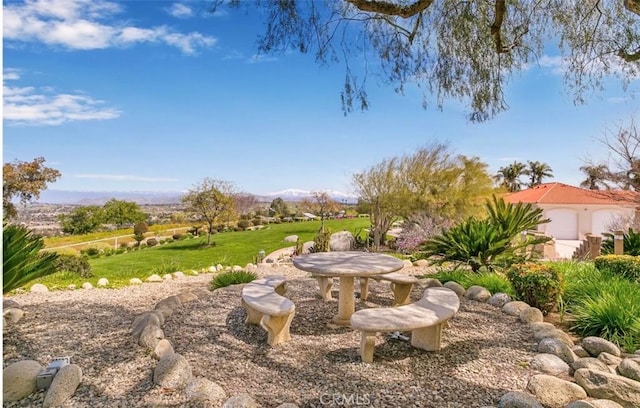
(485, 353)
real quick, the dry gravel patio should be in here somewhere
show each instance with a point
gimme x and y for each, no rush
(485, 353)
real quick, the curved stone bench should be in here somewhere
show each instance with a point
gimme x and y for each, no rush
(424, 319)
(401, 286)
(265, 304)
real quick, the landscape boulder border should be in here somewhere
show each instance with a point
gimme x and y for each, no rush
(173, 372)
(592, 374)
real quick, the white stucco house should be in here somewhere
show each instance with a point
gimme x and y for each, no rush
(575, 212)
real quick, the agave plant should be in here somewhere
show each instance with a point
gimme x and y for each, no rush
(22, 260)
(631, 243)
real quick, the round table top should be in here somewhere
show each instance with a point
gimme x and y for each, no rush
(347, 263)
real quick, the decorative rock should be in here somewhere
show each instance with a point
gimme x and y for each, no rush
(499, 299)
(240, 401)
(172, 372)
(219, 267)
(456, 287)
(596, 345)
(629, 369)
(163, 348)
(477, 293)
(195, 273)
(531, 315)
(553, 333)
(63, 386)
(609, 359)
(601, 403)
(200, 293)
(536, 326)
(71, 287)
(603, 385)
(291, 238)
(552, 392)
(8, 303)
(421, 263)
(550, 364)
(19, 380)
(12, 314)
(341, 241)
(151, 336)
(514, 308)
(172, 302)
(590, 363)
(142, 321)
(87, 285)
(186, 297)
(557, 348)
(407, 263)
(517, 399)
(39, 288)
(237, 268)
(306, 247)
(211, 269)
(580, 351)
(430, 283)
(167, 277)
(251, 267)
(165, 311)
(201, 390)
(103, 282)
(154, 278)
(135, 281)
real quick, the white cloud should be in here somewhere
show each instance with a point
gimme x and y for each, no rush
(233, 55)
(88, 25)
(258, 58)
(613, 65)
(42, 107)
(618, 99)
(180, 10)
(125, 177)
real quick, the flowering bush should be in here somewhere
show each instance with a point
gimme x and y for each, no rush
(417, 230)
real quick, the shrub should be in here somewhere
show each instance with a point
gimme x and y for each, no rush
(166, 267)
(22, 261)
(152, 242)
(139, 230)
(627, 266)
(74, 264)
(417, 230)
(537, 284)
(90, 251)
(631, 243)
(232, 278)
(124, 245)
(244, 224)
(322, 240)
(177, 236)
(256, 221)
(493, 282)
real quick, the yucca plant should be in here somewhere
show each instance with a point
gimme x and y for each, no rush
(631, 243)
(22, 260)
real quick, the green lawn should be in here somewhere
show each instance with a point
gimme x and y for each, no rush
(231, 248)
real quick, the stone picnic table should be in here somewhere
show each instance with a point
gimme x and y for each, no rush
(346, 266)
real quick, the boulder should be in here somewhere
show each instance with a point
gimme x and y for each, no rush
(580, 351)
(556, 347)
(456, 287)
(423, 263)
(531, 315)
(518, 399)
(630, 369)
(172, 372)
(291, 238)
(166, 311)
(600, 403)
(499, 299)
(514, 308)
(12, 314)
(236, 268)
(186, 296)
(599, 384)
(154, 278)
(19, 380)
(162, 349)
(151, 336)
(142, 321)
(609, 359)
(407, 263)
(180, 275)
(591, 363)
(219, 267)
(341, 241)
(203, 390)
(39, 288)
(167, 277)
(553, 392)
(550, 364)
(103, 282)
(135, 281)
(172, 302)
(541, 326)
(555, 334)
(240, 401)
(596, 345)
(8, 303)
(87, 285)
(430, 283)
(477, 293)
(63, 386)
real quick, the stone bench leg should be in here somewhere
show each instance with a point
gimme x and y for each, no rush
(364, 288)
(401, 292)
(325, 286)
(427, 338)
(277, 328)
(253, 316)
(367, 344)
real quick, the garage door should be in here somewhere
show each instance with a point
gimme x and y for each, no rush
(563, 225)
(601, 220)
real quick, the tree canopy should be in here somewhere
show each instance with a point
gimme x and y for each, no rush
(122, 213)
(461, 50)
(24, 180)
(211, 201)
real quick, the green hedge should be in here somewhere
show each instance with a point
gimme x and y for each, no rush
(626, 266)
(539, 285)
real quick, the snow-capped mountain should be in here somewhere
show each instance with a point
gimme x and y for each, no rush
(293, 194)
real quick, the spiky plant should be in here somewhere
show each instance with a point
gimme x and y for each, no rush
(22, 260)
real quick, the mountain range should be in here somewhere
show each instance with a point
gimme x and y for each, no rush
(170, 197)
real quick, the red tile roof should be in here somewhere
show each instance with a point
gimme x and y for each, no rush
(558, 193)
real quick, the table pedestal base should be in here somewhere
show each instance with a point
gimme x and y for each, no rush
(346, 302)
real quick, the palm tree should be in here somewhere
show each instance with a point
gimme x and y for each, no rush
(597, 177)
(537, 171)
(509, 176)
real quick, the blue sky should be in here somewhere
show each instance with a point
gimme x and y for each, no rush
(155, 96)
